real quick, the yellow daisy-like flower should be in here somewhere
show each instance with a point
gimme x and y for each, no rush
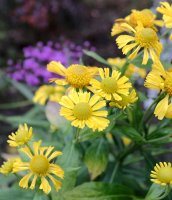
(118, 63)
(8, 166)
(21, 136)
(126, 100)
(162, 174)
(84, 110)
(40, 166)
(110, 86)
(146, 17)
(166, 10)
(77, 76)
(143, 38)
(160, 79)
(48, 92)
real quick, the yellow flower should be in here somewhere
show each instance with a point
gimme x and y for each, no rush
(77, 76)
(146, 17)
(110, 86)
(162, 174)
(143, 38)
(166, 10)
(51, 92)
(126, 100)
(126, 140)
(84, 110)
(118, 63)
(21, 136)
(8, 166)
(159, 79)
(40, 166)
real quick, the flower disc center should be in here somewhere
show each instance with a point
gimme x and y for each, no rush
(109, 85)
(146, 37)
(165, 174)
(78, 76)
(82, 111)
(39, 164)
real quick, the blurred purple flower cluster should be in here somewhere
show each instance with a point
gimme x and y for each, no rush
(32, 69)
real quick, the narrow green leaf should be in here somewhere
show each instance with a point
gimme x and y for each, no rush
(99, 191)
(97, 57)
(23, 89)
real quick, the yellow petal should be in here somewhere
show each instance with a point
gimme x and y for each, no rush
(57, 68)
(57, 184)
(45, 186)
(161, 108)
(24, 181)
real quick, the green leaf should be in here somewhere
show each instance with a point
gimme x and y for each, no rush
(96, 158)
(99, 191)
(23, 89)
(155, 191)
(87, 134)
(132, 133)
(41, 196)
(69, 161)
(138, 62)
(16, 194)
(95, 56)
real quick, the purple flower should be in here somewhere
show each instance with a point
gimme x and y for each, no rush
(32, 69)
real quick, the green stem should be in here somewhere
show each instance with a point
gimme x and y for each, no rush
(165, 33)
(77, 135)
(124, 68)
(120, 158)
(148, 114)
(30, 148)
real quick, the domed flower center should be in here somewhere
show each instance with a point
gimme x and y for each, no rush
(165, 174)
(82, 111)
(145, 16)
(109, 85)
(146, 37)
(78, 76)
(168, 84)
(21, 136)
(39, 164)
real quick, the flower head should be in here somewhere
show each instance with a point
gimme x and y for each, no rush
(162, 174)
(146, 17)
(51, 92)
(143, 38)
(8, 166)
(118, 63)
(77, 76)
(166, 10)
(110, 86)
(21, 136)
(84, 110)
(126, 100)
(40, 165)
(160, 79)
